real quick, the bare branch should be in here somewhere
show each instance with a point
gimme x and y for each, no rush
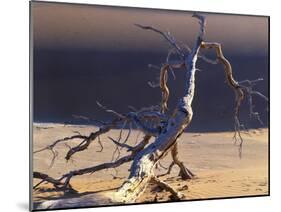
(260, 95)
(234, 85)
(50, 147)
(85, 118)
(208, 60)
(167, 36)
(153, 84)
(169, 169)
(100, 143)
(123, 145)
(153, 66)
(85, 143)
(110, 110)
(185, 173)
(248, 89)
(64, 181)
(46, 178)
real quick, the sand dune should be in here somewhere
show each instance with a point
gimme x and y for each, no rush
(211, 156)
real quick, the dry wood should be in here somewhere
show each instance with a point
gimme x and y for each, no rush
(154, 123)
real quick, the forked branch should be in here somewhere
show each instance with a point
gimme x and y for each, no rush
(238, 89)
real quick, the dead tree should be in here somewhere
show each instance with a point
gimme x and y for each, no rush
(155, 123)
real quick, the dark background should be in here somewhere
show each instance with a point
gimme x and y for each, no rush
(83, 54)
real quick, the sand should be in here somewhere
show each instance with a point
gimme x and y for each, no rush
(213, 157)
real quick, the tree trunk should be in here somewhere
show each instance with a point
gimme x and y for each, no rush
(142, 170)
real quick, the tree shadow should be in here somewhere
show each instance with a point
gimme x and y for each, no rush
(58, 194)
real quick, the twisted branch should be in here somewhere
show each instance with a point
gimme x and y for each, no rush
(238, 89)
(63, 182)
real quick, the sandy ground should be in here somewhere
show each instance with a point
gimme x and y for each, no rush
(213, 157)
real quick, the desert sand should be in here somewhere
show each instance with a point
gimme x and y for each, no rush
(213, 157)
